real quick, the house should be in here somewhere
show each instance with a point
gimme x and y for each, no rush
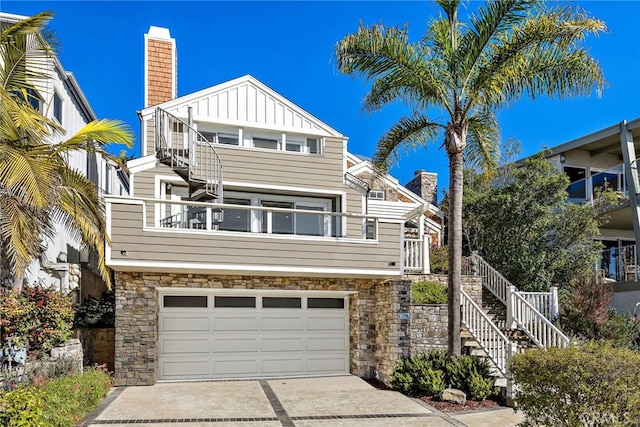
(252, 244)
(607, 159)
(61, 99)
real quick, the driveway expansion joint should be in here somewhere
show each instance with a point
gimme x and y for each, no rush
(276, 405)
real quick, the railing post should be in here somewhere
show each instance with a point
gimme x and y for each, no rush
(426, 268)
(474, 263)
(512, 350)
(554, 309)
(510, 300)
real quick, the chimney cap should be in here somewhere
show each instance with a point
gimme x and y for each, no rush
(419, 172)
(159, 33)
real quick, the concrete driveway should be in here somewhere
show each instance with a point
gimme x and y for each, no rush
(303, 402)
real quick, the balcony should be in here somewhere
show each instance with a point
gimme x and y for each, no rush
(619, 264)
(585, 190)
(164, 235)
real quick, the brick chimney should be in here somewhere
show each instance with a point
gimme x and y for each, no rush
(425, 185)
(160, 67)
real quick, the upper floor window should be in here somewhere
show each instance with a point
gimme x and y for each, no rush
(313, 146)
(57, 107)
(376, 194)
(271, 144)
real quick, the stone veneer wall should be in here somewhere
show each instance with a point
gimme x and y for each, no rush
(428, 328)
(377, 335)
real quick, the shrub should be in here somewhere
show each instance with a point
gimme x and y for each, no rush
(439, 259)
(39, 317)
(593, 384)
(428, 292)
(69, 399)
(431, 372)
(22, 407)
(96, 313)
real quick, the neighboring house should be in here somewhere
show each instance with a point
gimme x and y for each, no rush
(62, 99)
(252, 243)
(607, 158)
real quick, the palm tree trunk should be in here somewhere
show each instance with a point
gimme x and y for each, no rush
(455, 145)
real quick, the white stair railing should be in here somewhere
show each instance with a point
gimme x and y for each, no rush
(497, 346)
(531, 311)
(539, 329)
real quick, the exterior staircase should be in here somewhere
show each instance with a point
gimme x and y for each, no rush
(506, 321)
(192, 157)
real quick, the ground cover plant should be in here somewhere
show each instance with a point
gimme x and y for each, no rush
(593, 384)
(430, 373)
(428, 292)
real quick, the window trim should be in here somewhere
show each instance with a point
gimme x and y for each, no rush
(58, 110)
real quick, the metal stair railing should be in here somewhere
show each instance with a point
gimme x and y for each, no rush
(497, 346)
(182, 147)
(531, 311)
(539, 329)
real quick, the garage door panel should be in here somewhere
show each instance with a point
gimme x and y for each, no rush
(177, 322)
(282, 344)
(231, 345)
(232, 323)
(282, 324)
(329, 323)
(185, 368)
(186, 345)
(289, 366)
(327, 344)
(230, 367)
(338, 363)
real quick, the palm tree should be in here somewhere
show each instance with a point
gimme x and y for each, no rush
(38, 189)
(458, 76)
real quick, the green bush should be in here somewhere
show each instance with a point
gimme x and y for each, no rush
(59, 402)
(39, 317)
(428, 292)
(593, 384)
(431, 372)
(22, 408)
(439, 259)
(96, 313)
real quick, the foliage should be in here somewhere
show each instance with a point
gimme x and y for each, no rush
(456, 78)
(428, 292)
(36, 373)
(22, 407)
(438, 262)
(430, 373)
(521, 222)
(38, 186)
(96, 313)
(40, 317)
(588, 385)
(61, 401)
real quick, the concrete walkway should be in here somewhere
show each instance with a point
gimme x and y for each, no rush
(302, 402)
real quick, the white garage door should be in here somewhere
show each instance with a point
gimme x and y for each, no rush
(206, 335)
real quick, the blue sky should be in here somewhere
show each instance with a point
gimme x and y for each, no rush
(289, 47)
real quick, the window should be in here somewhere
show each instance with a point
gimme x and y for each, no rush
(376, 194)
(577, 189)
(313, 146)
(310, 224)
(57, 107)
(227, 139)
(276, 302)
(370, 229)
(281, 222)
(185, 301)
(325, 303)
(295, 146)
(209, 136)
(238, 302)
(236, 219)
(271, 144)
(177, 126)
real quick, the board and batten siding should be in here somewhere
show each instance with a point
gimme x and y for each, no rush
(132, 243)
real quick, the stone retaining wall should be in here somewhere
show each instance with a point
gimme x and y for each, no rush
(378, 335)
(98, 345)
(428, 328)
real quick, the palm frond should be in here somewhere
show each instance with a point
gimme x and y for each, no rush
(408, 133)
(483, 137)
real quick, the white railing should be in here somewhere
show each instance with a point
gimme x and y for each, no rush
(188, 215)
(544, 306)
(416, 255)
(541, 331)
(497, 346)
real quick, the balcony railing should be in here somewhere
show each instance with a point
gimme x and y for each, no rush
(187, 215)
(585, 189)
(619, 264)
(416, 255)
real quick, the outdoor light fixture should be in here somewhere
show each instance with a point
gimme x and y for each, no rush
(562, 158)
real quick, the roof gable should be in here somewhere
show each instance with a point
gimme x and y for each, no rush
(247, 102)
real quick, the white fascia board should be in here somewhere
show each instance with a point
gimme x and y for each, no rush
(141, 164)
(189, 98)
(286, 188)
